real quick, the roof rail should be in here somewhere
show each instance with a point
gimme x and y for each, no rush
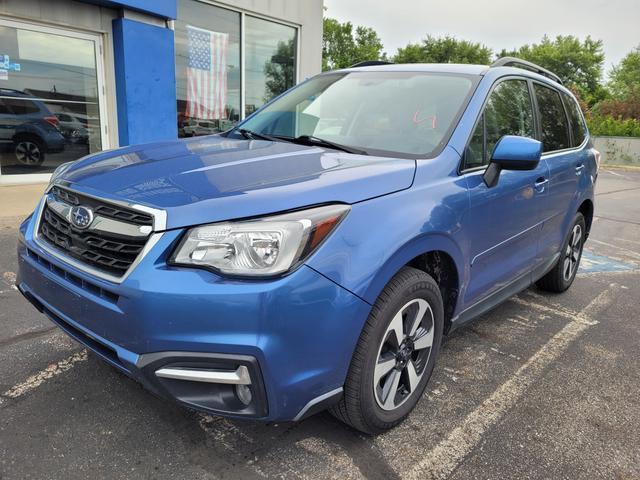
(370, 63)
(516, 62)
(13, 90)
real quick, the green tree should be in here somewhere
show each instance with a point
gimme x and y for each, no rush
(280, 70)
(578, 63)
(625, 77)
(342, 46)
(445, 49)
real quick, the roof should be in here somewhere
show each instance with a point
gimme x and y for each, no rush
(465, 69)
(423, 67)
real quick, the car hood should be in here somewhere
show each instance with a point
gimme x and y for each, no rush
(210, 179)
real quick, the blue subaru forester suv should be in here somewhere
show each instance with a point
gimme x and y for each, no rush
(314, 256)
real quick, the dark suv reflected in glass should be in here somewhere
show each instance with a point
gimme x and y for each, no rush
(28, 129)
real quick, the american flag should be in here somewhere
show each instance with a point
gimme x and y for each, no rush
(207, 74)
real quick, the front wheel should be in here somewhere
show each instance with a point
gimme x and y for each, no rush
(564, 272)
(395, 354)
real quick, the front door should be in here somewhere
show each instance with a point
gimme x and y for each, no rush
(504, 222)
(52, 100)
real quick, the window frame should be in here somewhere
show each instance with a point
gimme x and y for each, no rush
(566, 116)
(536, 119)
(571, 97)
(534, 106)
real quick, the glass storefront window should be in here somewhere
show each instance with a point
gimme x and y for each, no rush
(270, 64)
(49, 109)
(207, 68)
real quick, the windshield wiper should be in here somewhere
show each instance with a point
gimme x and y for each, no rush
(321, 142)
(254, 135)
(302, 139)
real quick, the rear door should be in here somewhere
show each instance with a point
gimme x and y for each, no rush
(505, 221)
(566, 164)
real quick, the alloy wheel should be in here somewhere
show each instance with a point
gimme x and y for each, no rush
(28, 153)
(403, 354)
(572, 253)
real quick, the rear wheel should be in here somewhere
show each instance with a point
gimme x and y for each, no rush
(29, 151)
(395, 354)
(564, 272)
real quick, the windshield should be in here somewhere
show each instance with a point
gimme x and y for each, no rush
(384, 113)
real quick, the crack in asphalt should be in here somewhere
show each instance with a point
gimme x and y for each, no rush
(27, 336)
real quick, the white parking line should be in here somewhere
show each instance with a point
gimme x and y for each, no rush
(442, 460)
(34, 381)
(622, 249)
(556, 310)
(627, 240)
(616, 174)
(9, 278)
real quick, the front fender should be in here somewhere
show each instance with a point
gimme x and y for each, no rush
(407, 252)
(379, 236)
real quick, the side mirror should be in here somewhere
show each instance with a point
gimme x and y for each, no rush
(512, 153)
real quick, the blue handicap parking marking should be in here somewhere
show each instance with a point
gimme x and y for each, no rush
(592, 263)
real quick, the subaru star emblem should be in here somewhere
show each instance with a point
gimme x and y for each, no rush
(81, 217)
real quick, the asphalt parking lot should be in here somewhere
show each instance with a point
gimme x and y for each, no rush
(542, 387)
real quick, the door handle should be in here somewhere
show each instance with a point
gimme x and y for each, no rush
(579, 168)
(540, 184)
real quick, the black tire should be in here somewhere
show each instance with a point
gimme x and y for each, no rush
(29, 151)
(403, 296)
(558, 280)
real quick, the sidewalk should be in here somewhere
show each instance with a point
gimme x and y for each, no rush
(19, 200)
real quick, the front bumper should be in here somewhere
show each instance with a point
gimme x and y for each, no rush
(295, 335)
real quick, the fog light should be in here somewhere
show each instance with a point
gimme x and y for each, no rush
(243, 392)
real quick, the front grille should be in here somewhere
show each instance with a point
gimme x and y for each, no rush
(112, 253)
(100, 208)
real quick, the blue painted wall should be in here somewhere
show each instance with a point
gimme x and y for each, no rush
(161, 8)
(145, 82)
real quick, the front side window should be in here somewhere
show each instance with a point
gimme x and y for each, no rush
(578, 128)
(555, 129)
(20, 106)
(387, 113)
(508, 112)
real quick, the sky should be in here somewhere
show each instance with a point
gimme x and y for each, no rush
(497, 23)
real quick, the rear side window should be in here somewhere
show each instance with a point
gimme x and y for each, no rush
(508, 112)
(553, 120)
(21, 107)
(578, 129)
(3, 107)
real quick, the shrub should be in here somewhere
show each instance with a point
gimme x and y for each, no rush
(628, 107)
(600, 125)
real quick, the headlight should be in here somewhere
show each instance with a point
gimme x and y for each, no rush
(63, 167)
(262, 247)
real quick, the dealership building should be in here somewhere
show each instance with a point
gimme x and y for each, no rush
(77, 77)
